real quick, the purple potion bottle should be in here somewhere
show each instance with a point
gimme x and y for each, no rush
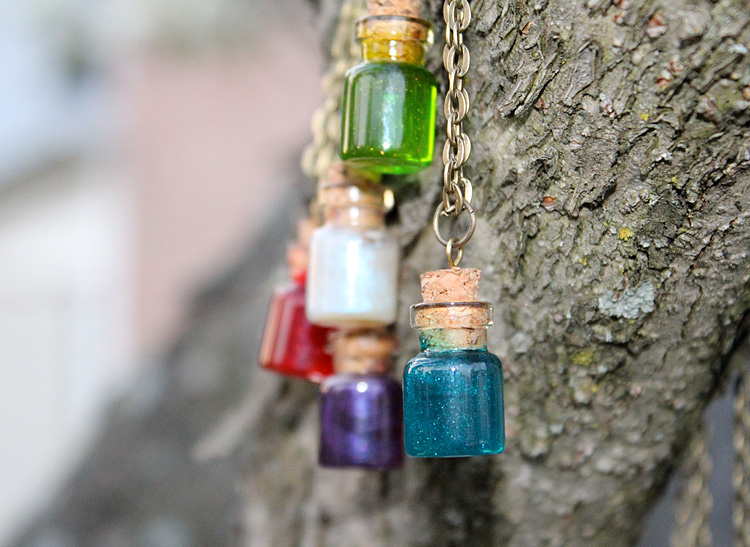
(361, 406)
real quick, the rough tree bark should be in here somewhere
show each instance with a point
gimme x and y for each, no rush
(610, 162)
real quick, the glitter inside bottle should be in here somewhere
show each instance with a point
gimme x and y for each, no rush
(388, 123)
(453, 390)
(353, 273)
(291, 345)
(361, 413)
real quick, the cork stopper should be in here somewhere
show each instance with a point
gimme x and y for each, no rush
(344, 186)
(351, 198)
(453, 285)
(409, 8)
(363, 351)
(451, 303)
(395, 37)
(348, 195)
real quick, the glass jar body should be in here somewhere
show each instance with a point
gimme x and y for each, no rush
(291, 345)
(361, 422)
(388, 123)
(352, 277)
(453, 404)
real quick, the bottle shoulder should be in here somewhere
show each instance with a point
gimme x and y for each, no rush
(390, 68)
(456, 358)
(333, 232)
(360, 382)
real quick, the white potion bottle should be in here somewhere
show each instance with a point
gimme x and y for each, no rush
(353, 273)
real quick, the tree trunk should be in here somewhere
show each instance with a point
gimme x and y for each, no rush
(610, 166)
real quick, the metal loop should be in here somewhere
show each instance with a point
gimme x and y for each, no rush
(449, 12)
(449, 57)
(456, 153)
(453, 208)
(453, 34)
(464, 188)
(469, 232)
(454, 262)
(457, 10)
(450, 63)
(464, 60)
(453, 128)
(451, 175)
(468, 189)
(455, 82)
(461, 106)
(456, 56)
(449, 37)
(465, 13)
(466, 141)
(453, 30)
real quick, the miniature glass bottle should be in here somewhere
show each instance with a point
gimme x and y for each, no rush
(353, 274)
(361, 406)
(453, 390)
(388, 123)
(291, 345)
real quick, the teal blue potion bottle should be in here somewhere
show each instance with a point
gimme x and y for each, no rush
(453, 390)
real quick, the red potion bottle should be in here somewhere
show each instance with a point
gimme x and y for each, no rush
(291, 345)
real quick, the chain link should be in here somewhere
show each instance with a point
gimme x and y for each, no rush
(741, 475)
(693, 509)
(326, 121)
(457, 189)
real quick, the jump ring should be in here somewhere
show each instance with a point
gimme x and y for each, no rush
(454, 262)
(469, 232)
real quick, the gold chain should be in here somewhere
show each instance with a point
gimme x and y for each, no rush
(457, 189)
(326, 122)
(693, 510)
(741, 475)
(694, 507)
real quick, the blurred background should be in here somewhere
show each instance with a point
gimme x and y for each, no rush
(143, 144)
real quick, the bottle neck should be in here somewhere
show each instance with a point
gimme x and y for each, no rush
(394, 38)
(353, 215)
(453, 339)
(361, 364)
(379, 49)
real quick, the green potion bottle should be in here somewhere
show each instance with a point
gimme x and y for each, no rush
(388, 123)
